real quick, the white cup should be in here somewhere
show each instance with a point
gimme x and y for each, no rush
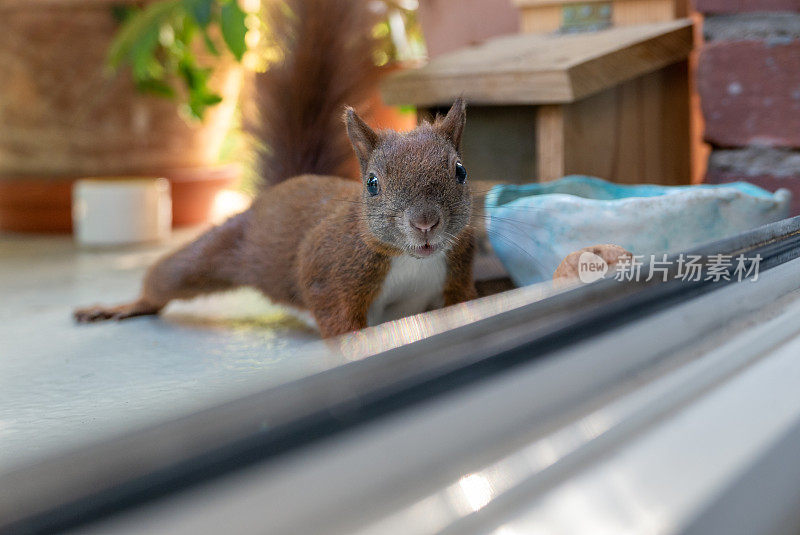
(116, 211)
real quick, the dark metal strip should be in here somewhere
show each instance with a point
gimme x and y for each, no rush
(85, 485)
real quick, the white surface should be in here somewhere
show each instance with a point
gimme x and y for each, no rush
(660, 481)
(62, 384)
(123, 211)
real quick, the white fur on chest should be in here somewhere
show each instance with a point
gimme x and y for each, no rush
(413, 285)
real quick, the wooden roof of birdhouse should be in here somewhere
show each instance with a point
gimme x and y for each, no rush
(542, 68)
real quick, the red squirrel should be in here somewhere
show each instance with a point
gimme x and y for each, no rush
(353, 253)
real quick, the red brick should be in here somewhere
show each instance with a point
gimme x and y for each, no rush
(750, 93)
(767, 182)
(741, 6)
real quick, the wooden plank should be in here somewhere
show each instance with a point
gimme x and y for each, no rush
(550, 142)
(636, 132)
(674, 113)
(642, 11)
(499, 143)
(542, 68)
(610, 69)
(541, 16)
(536, 3)
(633, 133)
(541, 19)
(591, 139)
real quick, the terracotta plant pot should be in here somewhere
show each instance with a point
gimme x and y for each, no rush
(62, 116)
(45, 204)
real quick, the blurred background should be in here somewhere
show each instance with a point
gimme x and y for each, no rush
(111, 89)
(108, 89)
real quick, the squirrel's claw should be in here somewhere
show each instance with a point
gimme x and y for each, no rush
(102, 313)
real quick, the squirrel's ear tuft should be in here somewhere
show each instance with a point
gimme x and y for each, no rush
(363, 138)
(451, 126)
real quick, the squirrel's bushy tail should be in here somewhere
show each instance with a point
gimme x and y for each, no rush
(327, 62)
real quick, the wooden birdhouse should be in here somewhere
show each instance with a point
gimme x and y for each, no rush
(612, 103)
(538, 16)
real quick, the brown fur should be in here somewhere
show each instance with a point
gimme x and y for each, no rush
(325, 244)
(459, 286)
(327, 65)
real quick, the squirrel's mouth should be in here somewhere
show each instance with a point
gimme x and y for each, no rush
(423, 251)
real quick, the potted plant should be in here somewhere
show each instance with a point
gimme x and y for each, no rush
(64, 114)
(92, 85)
(400, 45)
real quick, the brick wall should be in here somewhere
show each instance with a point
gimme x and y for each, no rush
(748, 77)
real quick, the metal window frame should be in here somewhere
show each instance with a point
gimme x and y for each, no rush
(82, 486)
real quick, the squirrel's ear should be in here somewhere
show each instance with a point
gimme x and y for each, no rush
(363, 138)
(452, 125)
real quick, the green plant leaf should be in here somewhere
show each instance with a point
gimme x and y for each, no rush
(142, 55)
(156, 43)
(201, 10)
(156, 87)
(210, 99)
(121, 13)
(139, 26)
(195, 77)
(233, 28)
(210, 46)
(199, 101)
(185, 30)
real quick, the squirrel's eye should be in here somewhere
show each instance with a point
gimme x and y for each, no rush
(372, 184)
(461, 173)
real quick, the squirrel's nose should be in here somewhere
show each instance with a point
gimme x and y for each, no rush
(425, 225)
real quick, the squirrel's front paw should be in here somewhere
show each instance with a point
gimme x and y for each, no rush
(569, 271)
(120, 312)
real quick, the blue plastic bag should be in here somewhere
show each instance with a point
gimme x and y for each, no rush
(532, 227)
